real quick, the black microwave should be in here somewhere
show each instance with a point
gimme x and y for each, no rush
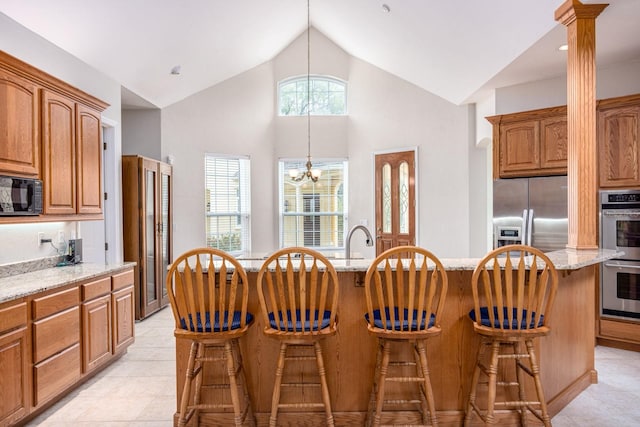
(20, 196)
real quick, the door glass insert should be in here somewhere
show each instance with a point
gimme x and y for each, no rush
(386, 198)
(403, 193)
(150, 232)
(164, 212)
(628, 286)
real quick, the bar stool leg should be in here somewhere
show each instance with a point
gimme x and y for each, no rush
(517, 350)
(233, 383)
(323, 381)
(536, 378)
(186, 390)
(386, 349)
(420, 344)
(276, 387)
(474, 383)
(493, 376)
(240, 366)
(374, 387)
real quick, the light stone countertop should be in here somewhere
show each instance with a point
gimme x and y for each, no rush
(21, 285)
(565, 259)
(25, 284)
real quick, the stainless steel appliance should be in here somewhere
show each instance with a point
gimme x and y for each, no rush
(531, 211)
(620, 230)
(20, 196)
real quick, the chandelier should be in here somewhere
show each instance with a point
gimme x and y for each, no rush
(312, 173)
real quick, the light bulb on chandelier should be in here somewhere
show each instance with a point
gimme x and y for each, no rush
(311, 173)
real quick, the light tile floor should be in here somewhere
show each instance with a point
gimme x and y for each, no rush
(139, 389)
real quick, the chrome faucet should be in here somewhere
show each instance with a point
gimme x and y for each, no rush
(369, 241)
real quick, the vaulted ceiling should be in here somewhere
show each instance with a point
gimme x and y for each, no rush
(456, 49)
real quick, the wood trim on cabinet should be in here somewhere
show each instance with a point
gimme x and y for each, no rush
(52, 303)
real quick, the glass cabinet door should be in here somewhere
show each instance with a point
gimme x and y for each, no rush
(165, 228)
(149, 292)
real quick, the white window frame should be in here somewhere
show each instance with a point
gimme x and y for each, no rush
(303, 103)
(307, 187)
(243, 205)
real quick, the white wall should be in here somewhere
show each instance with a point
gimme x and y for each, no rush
(617, 80)
(239, 117)
(141, 133)
(38, 52)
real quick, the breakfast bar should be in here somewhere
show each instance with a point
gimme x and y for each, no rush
(566, 354)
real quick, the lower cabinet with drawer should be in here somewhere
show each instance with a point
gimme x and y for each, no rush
(14, 362)
(51, 341)
(96, 323)
(56, 343)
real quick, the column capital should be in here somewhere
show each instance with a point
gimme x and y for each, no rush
(571, 10)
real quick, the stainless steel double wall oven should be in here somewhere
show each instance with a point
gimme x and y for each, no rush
(620, 230)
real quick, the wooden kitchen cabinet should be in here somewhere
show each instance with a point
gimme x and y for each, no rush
(52, 131)
(14, 362)
(72, 151)
(147, 218)
(20, 124)
(56, 343)
(59, 154)
(618, 142)
(89, 160)
(97, 344)
(530, 143)
(122, 301)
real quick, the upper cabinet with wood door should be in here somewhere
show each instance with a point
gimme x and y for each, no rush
(53, 131)
(19, 125)
(530, 143)
(619, 141)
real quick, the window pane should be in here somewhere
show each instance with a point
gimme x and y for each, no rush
(227, 209)
(386, 198)
(313, 214)
(403, 191)
(328, 96)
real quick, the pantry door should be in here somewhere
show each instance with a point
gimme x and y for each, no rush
(395, 200)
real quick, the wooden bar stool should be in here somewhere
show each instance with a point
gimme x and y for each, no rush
(405, 289)
(298, 291)
(517, 285)
(208, 291)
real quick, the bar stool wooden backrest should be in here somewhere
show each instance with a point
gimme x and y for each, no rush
(514, 288)
(405, 289)
(208, 291)
(298, 291)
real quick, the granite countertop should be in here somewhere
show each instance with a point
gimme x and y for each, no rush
(25, 284)
(565, 259)
(21, 285)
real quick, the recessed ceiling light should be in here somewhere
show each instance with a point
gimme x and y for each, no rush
(386, 8)
(175, 70)
(564, 47)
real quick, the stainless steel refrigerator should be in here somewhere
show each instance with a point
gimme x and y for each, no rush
(531, 211)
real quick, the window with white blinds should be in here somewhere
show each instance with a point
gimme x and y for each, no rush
(227, 203)
(313, 214)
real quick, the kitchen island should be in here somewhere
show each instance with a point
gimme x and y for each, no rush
(566, 355)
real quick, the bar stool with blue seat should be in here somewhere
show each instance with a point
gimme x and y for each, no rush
(405, 290)
(513, 289)
(208, 291)
(298, 292)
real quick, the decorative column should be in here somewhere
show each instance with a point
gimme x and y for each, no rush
(582, 167)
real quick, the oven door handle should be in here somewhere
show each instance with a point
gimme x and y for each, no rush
(621, 266)
(621, 213)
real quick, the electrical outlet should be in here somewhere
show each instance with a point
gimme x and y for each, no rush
(40, 237)
(61, 236)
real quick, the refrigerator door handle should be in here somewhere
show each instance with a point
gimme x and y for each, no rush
(525, 215)
(530, 228)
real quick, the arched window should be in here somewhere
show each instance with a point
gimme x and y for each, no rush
(328, 96)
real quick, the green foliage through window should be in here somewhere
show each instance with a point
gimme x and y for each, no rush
(328, 96)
